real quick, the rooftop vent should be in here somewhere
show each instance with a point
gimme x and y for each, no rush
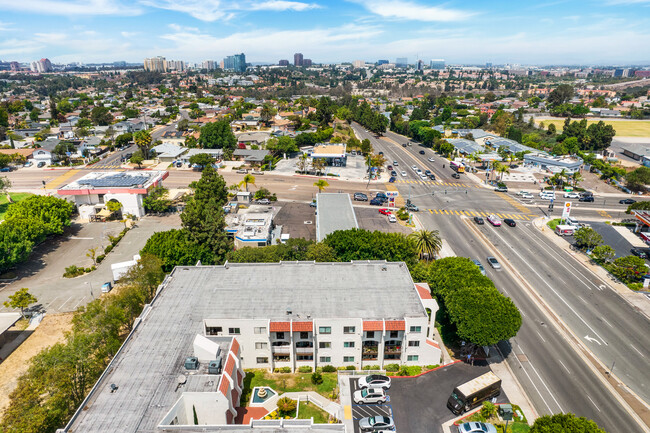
(384, 268)
(114, 387)
(289, 311)
(192, 363)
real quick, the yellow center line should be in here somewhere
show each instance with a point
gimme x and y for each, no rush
(58, 181)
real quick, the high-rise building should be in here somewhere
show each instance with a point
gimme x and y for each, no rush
(15, 66)
(236, 62)
(382, 62)
(297, 59)
(175, 65)
(420, 65)
(306, 63)
(283, 63)
(488, 65)
(41, 66)
(209, 65)
(358, 64)
(401, 62)
(437, 64)
(155, 64)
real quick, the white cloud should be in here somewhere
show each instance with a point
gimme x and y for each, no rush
(129, 35)
(5, 27)
(213, 10)
(279, 5)
(74, 7)
(16, 47)
(407, 10)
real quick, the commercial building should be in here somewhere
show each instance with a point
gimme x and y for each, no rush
(437, 64)
(358, 64)
(92, 191)
(253, 227)
(306, 63)
(209, 65)
(297, 59)
(155, 64)
(401, 62)
(333, 154)
(554, 164)
(283, 63)
(334, 212)
(175, 65)
(382, 62)
(236, 62)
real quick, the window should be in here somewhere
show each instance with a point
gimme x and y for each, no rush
(348, 344)
(213, 330)
(261, 345)
(260, 330)
(413, 357)
(324, 329)
(233, 331)
(415, 329)
(348, 359)
(305, 357)
(414, 344)
(394, 334)
(262, 360)
(324, 345)
(348, 329)
(304, 335)
(325, 359)
(370, 334)
(279, 335)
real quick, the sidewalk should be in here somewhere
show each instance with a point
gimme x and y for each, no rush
(8, 348)
(638, 300)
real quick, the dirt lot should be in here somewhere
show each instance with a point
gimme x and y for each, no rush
(50, 331)
(623, 128)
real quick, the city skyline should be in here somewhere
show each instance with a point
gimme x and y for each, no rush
(557, 32)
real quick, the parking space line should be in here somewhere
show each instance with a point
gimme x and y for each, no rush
(61, 306)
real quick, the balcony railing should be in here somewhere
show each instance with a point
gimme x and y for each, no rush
(281, 349)
(304, 350)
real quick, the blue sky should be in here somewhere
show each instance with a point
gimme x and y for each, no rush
(470, 31)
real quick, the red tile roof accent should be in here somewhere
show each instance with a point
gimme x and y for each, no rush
(373, 325)
(395, 325)
(280, 326)
(423, 292)
(433, 343)
(302, 326)
(234, 347)
(230, 365)
(224, 385)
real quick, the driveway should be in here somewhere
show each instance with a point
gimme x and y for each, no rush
(419, 404)
(369, 218)
(43, 272)
(613, 238)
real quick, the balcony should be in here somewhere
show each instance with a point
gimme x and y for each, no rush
(281, 349)
(305, 350)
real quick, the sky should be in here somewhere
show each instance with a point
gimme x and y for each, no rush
(532, 32)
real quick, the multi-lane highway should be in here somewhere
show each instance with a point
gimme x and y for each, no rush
(547, 364)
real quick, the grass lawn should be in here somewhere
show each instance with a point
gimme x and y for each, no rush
(623, 128)
(285, 382)
(552, 224)
(308, 410)
(15, 196)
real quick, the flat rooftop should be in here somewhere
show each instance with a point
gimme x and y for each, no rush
(122, 180)
(334, 212)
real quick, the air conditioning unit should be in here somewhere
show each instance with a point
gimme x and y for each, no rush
(214, 367)
(192, 363)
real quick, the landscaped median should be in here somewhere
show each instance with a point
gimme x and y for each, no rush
(491, 414)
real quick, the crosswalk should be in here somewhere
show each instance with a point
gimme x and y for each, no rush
(473, 213)
(438, 183)
(514, 202)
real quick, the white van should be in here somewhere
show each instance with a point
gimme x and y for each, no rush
(572, 222)
(564, 230)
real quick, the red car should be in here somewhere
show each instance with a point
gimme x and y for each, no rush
(384, 211)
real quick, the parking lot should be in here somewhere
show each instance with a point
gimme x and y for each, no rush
(360, 411)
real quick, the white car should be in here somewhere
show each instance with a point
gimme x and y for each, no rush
(374, 381)
(527, 195)
(571, 195)
(476, 427)
(414, 167)
(547, 197)
(392, 219)
(494, 220)
(403, 173)
(370, 396)
(430, 159)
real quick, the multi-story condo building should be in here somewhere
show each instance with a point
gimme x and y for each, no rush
(236, 62)
(155, 64)
(297, 59)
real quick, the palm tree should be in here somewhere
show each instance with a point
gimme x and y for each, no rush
(503, 169)
(143, 141)
(249, 178)
(318, 164)
(577, 177)
(321, 184)
(562, 176)
(427, 242)
(496, 166)
(303, 162)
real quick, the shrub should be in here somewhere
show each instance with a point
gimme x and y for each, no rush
(73, 271)
(488, 409)
(329, 369)
(100, 258)
(431, 367)
(350, 367)
(316, 378)
(108, 249)
(305, 369)
(403, 371)
(371, 367)
(286, 406)
(392, 367)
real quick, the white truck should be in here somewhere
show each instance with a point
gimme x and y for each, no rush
(121, 268)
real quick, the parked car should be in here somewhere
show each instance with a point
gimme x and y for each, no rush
(455, 175)
(411, 207)
(494, 220)
(480, 266)
(427, 172)
(242, 171)
(376, 423)
(370, 396)
(107, 287)
(28, 164)
(430, 159)
(403, 144)
(479, 220)
(392, 219)
(384, 211)
(381, 153)
(374, 381)
(179, 164)
(510, 222)
(313, 203)
(264, 201)
(381, 195)
(501, 189)
(395, 163)
(392, 179)
(422, 152)
(5, 169)
(627, 201)
(403, 173)
(521, 193)
(476, 427)
(587, 198)
(359, 196)
(494, 262)
(571, 195)
(639, 253)
(389, 167)
(376, 202)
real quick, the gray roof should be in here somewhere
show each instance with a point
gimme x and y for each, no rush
(251, 154)
(510, 145)
(253, 136)
(334, 212)
(466, 146)
(148, 364)
(640, 149)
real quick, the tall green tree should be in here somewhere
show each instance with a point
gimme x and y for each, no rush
(587, 238)
(638, 179)
(564, 423)
(101, 116)
(143, 140)
(21, 299)
(427, 242)
(217, 135)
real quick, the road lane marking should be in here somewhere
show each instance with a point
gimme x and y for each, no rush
(52, 301)
(540, 336)
(77, 304)
(565, 367)
(531, 380)
(637, 350)
(591, 339)
(592, 402)
(610, 325)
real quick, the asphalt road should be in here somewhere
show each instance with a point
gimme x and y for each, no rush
(555, 377)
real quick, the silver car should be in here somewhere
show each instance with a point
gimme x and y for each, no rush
(476, 427)
(376, 423)
(494, 262)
